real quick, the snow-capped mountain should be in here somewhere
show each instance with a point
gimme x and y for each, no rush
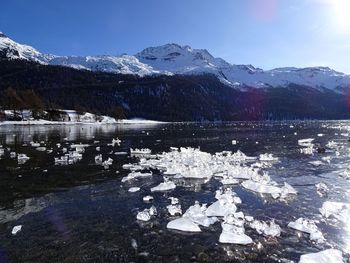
(175, 59)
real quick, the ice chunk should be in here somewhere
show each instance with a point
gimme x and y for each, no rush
(120, 153)
(261, 187)
(41, 149)
(307, 150)
(183, 224)
(316, 163)
(137, 151)
(134, 189)
(287, 190)
(326, 256)
(135, 175)
(268, 229)
(174, 200)
(267, 157)
(249, 218)
(233, 232)
(22, 158)
(225, 205)
(115, 142)
(107, 163)
(165, 186)
(229, 180)
(221, 208)
(197, 214)
(146, 214)
(174, 209)
(305, 142)
(147, 198)
(322, 189)
(35, 144)
(16, 229)
(98, 159)
(338, 210)
(307, 226)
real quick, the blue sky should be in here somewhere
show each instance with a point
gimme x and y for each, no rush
(265, 33)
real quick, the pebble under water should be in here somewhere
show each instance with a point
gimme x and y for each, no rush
(82, 212)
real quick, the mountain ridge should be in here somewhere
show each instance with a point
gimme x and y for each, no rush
(174, 59)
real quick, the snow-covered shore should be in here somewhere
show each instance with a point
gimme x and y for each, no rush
(69, 117)
(45, 122)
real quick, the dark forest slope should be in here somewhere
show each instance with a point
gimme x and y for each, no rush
(171, 98)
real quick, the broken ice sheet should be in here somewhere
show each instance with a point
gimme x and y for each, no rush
(338, 210)
(326, 256)
(192, 218)
(308, 226)
(268, 229)
(167, 185)
(16, 229)
(146, 214)
(233, 232)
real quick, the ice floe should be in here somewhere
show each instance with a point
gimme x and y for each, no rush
(225, 205)
(192, 218)
(167, 185)
(137, 151)
(147, 198)
(322, 189)
(326, 256)
(134, 189)
(147, 214)
(263, 184)
(268, 229)
(16, 229)
(338, 210)
(197, 214)
(183, 224)
(115, 142)
(307, 226)
(134, 175)
(22, 158)
(233, 231)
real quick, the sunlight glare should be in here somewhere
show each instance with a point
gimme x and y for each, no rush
(341, 13)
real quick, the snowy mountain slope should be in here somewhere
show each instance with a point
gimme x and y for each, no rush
(13, 50)
(124, 64)
(175, 59)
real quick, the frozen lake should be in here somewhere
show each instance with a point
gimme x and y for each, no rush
(83, 212)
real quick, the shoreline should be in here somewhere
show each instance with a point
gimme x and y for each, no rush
(44, 122)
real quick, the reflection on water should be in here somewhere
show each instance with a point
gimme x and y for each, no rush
(82, 212)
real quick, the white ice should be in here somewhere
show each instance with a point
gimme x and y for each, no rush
(16, 229)
(326, 256)
(165, 186)
(308, 226)
(134, 189)
(338, 210)
(183, 224)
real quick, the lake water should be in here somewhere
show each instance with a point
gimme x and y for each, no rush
(83, 213)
